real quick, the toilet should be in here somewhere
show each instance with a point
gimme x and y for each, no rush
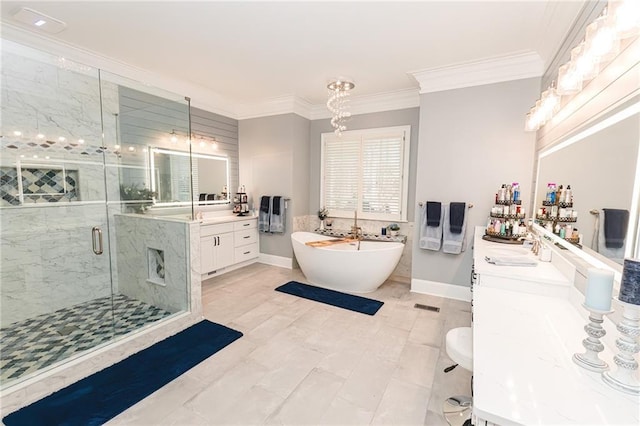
(459, 346)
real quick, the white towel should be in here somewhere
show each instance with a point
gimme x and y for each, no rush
(453, 243)
(277, 221)
(430, 236)
(511, 260)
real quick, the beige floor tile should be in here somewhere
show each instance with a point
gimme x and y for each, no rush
(402, 404)
(310, 400)
(251, 408)
(367, 383)
(427, 331)
(417, 364)
(343, 412)
(293, 369)
(435, 419)
(213, 401)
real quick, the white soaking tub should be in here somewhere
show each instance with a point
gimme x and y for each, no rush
(342, 266)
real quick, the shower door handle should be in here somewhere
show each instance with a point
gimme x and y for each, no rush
(96, 239)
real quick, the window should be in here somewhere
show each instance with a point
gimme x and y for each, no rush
(367, 171)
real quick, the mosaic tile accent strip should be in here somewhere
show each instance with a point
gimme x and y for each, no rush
(36, 343)
(38, 185)
(9, 187)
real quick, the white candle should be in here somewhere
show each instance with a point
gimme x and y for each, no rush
(599, 289)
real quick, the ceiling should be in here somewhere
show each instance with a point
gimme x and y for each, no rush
(250, 52)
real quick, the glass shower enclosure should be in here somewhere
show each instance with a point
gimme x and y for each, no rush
(80, 268)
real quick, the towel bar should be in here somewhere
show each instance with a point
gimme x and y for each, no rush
(469, 206)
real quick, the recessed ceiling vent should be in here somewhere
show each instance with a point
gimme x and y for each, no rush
(39, 21)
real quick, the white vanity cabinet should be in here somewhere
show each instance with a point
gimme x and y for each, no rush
(216, 247)
(227, 246)
(245, 239)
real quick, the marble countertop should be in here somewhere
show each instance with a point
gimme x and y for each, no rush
(544, 272)
(365, 236)
(523, 367)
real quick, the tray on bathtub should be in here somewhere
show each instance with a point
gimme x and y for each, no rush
(324, 243)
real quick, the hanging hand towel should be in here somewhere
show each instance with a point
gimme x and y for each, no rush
(616, 222)
(455, 227)
(431, 235)
(609, 241)
(277, 216)
(264, 214)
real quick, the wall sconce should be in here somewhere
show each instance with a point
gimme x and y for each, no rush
(619, 20)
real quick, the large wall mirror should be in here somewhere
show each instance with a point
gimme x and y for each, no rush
(171, 173)
(602, 165)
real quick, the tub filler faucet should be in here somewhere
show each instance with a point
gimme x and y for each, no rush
(356, 231)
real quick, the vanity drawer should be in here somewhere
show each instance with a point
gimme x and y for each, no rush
(247, 252)
(245, 224)
(247, 236)
(220, 228)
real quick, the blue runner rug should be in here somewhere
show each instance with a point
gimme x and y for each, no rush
(332, 297)
(98, 398)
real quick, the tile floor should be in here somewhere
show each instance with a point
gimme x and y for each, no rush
(302, 362)
(40, 342)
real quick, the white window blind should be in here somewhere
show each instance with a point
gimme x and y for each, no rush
(365, 171)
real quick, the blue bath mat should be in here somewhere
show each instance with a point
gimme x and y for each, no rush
(100, 397)
(332, 297)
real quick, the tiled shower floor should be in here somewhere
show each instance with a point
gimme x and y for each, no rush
(39, 342)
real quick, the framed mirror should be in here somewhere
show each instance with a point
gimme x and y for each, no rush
(602, 165)
(171, 173)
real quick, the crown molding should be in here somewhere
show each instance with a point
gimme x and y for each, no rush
(477, 73)
(201, 97)
(378, 102)
(275, 106)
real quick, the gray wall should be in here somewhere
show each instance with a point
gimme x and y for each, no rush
(402, 117)
(274, 153)
(471, 141)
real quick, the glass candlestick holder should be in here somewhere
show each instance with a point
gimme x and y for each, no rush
(590, 359)
(625, 377)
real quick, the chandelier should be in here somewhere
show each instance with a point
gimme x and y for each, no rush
(337, 103)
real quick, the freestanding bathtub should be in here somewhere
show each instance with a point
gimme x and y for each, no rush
(342, 266)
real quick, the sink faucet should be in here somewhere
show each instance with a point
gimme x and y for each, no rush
(356, 231)
(535, 239)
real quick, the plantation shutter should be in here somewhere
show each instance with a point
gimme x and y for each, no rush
(382, 167)
(341, 174)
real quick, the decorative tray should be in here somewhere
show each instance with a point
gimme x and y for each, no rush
(509, 216)
(365, 236)
(549, 203)
(502, 240)
(557, 219)
(508, 202)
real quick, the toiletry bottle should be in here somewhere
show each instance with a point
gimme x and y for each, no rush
(562, 231)
(557, 229)
(568, 195)
(509, 194)
(503, 229)
(502, 193)
(568, 232)
(516, 191)
(497, 227)
(552, 193)
(558, 193)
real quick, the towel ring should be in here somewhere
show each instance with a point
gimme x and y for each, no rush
(469, 206)
(594, 212)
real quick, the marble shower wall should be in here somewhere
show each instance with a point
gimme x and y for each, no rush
(402, 272)
(47, 257)
(135, 235)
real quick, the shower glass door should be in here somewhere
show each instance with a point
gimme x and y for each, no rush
(56, 298)
(80, 265)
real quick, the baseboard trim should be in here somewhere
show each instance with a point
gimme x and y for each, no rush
(273, 260)
(435, 288)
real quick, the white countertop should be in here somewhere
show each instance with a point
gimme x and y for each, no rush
(524, 338)
(523, 367)
(543, 273)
